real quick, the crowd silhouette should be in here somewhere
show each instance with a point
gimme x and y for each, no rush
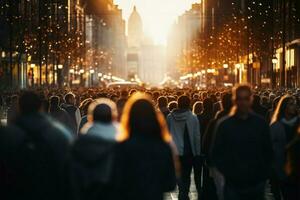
(139, 144)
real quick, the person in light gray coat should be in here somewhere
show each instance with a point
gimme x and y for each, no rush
(185, 131)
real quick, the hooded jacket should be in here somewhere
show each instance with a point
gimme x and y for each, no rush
(177, 120)
(92, 162)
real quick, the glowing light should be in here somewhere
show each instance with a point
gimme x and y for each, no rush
(157, 15)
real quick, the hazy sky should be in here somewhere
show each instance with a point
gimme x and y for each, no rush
(157, 15)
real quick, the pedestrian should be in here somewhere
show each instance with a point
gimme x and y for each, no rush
(292, 167)
(185, 130)
(92, 154)
(58, 113)
(284, 126)
(73, 111)
(162, 104)
(42, 154)
(144, 164)
(242, 151)
(84, 105)
(206, 116)
(198, 108)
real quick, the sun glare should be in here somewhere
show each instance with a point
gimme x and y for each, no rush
(157, 15)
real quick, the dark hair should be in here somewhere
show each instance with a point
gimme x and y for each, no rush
(281, 107)
(68, 97)
(227, 101)
(162, 101)
(102, 110)
(29, 102)
(141, 119)
(184, 102)
(198, 107)
(208, 105)
(54, 101)
(172, 105)
(102, 113)
(241, 87)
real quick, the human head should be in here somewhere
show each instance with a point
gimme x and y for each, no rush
(227, 101)
(162, 102)
(141, 119)
(242, 98)
(184, 102)
(285, 107)
(70, 98)
(102, 111)
(54, 101)
(29, 103)
(172, 106)
(197, 108)
(85, 105)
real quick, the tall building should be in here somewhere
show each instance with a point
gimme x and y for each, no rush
(286, 33)
(134, 43)
(135, 29)
(43, 35)
(105, 39)
(181, 42)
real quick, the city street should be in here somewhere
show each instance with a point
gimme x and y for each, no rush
(129, 99)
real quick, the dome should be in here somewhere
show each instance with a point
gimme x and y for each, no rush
(135, 17)
(135, 29)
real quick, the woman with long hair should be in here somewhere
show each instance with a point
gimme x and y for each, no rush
(144, 164)
(284, 125)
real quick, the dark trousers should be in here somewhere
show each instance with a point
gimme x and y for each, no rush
(187, 164)
(256, 192)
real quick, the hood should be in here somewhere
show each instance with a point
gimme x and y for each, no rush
(104, 131)
(181, 115)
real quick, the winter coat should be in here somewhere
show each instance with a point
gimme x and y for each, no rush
(242, 150)
(40, 157)
(91, 167)
(144, 169)
(177, 121)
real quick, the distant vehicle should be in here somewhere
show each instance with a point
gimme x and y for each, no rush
(123, 85)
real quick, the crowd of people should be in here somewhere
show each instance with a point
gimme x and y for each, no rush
(138, 144)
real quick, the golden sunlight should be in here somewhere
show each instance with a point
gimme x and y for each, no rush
(157, 15)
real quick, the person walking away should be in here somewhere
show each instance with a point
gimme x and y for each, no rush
(242, 150)
(185, 131)
(162, 104)
(292, 167)
(284, 125)
(42, 154)
(144, 163)
(58, 113)
(92, 154)
(73, 111)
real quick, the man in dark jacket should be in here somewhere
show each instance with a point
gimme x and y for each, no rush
(242, 149)
(38, 159)
(58, 113)
(73, 111)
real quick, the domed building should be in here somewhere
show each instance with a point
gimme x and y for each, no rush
(134, 41)
(135, 29)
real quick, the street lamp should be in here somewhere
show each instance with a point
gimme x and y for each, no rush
(225, 66)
